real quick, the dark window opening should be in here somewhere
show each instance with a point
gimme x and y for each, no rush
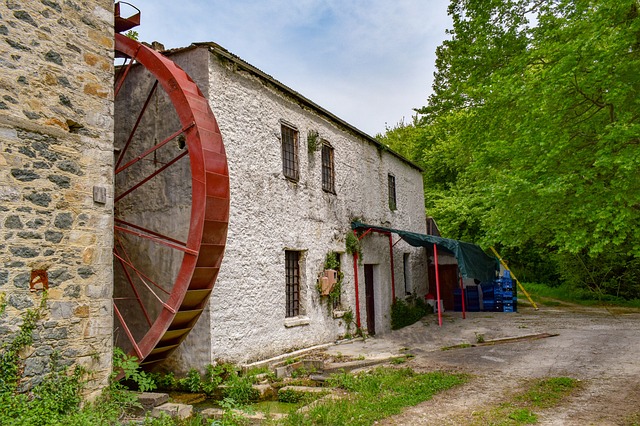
(392, 193)
(292, 272)
(290, 153)
(407, 278)
(328, 171)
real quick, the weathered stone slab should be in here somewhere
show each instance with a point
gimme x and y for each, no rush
(149, 400)
(177, 411)
(265, 392)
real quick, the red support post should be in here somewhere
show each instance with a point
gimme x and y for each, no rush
(435, 260)
(393, 279)
(464, 314)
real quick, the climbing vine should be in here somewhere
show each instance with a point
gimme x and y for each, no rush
(332, 261)
(313, 141)
(353, 245)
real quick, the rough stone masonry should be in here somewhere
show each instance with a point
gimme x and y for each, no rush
(56, 149)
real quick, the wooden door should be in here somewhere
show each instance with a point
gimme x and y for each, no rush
(370, 299)
(448, 281)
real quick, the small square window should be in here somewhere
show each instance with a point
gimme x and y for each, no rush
(392, 193)
(292, 279)
(290, 166)
(328, 171)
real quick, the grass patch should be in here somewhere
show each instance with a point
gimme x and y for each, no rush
(580, 296)
(522, 408)
(632, 420)
(375, 395)
(460, 346)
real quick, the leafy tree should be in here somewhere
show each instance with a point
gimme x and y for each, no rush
(534, 132)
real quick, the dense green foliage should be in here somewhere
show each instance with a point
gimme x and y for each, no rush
(56, 399)
(404, 313)
(375, 395)
(530, 140)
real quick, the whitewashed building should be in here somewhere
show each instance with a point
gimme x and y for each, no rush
(298, 177)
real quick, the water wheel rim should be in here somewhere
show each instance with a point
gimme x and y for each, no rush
(204, 247)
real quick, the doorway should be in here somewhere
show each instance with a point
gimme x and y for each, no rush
(370, 299)
(448, 282)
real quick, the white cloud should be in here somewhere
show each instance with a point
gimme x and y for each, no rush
(368, 61)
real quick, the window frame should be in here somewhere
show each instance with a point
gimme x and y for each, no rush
(328, 169)
(391, 186)
(292, 283)
(289, 146)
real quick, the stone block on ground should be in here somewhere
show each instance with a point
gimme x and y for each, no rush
(265, 392)
(149, 400)
(282, 372)
(177, 411)
(212, 413)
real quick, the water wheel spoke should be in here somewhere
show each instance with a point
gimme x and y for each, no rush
(124, 74)
(151, 176)
(127, 331)
(153, 148)
(150, 232)
(137, 123)
(124, 257)
(157, 238)
(133, 288)
(143, 280)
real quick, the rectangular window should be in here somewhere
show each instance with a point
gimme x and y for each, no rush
(290, 166)
(292, 272)
(392, 193)
(328, 172)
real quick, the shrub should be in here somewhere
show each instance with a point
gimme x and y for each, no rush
(406, 313)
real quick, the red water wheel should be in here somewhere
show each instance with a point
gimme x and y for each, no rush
(171, 203)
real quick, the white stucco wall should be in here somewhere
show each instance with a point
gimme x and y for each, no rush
(270, 214)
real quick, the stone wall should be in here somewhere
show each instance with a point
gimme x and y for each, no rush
(245, 320)
(56, 151)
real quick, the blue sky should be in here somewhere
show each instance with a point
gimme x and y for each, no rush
(370, 62)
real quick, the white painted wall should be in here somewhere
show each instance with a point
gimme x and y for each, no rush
(270, 214)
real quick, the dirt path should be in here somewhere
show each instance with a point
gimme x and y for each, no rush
(598, 346)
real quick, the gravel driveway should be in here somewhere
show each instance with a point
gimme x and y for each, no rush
(599, 346)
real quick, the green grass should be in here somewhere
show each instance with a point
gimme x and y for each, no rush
(375, 395)
(541, 293)
(523, 408)
(460, 346)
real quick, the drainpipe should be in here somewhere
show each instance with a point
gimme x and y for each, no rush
(355, 279)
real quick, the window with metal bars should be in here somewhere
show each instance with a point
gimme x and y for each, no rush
(328, 172)
(292, 273)
(392, 193)
(290, 166)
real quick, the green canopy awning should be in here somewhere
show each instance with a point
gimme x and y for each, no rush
(472, 260)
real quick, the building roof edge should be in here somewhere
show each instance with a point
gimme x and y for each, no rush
(219, 50)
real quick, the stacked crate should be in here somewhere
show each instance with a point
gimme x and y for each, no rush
(472, 298)
(488, 296)
(508, 293)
